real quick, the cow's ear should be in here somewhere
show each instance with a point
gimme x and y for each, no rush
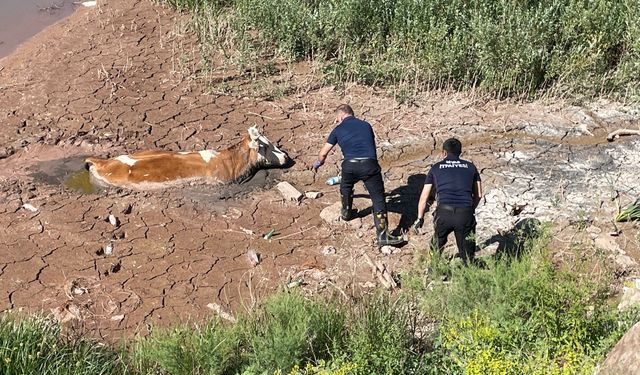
(254, 133)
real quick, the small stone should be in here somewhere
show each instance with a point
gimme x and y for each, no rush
(254, 257)
(313, 194)
(295, 283)
(625, 262)
(388, 250)
(329, 250)
(289, 192)
(29, 207)
(117, 318)
(108, 249)
(114, 221)
(331, 214)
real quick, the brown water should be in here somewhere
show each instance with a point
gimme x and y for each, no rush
(22, 19)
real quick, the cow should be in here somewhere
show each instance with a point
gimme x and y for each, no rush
(156, 169)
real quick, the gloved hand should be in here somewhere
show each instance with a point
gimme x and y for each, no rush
(317, 164)
(417, 225)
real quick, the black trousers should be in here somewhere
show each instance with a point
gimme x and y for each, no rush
(369, 172)
(459, 220)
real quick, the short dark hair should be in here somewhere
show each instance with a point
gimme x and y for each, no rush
(452, 146)
(346, 109)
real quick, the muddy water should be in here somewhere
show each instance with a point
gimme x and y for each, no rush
(71, 173)
(22, 19)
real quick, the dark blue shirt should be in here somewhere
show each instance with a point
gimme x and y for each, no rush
(453, 179)
(355, 138)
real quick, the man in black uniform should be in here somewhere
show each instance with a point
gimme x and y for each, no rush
(458, 191)
(357, 142)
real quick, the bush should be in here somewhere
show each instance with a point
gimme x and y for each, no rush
(507, 47)
(522, 315)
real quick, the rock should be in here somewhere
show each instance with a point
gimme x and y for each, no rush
(607, 243)
(289, 192)
(388, 250)
(624, 358)
(331, 214)
(313, 194)
(630, 298)
(117, 318)
(625, 262)
(113, 221)
(67, 313)
(29, 207)
(221, 312)
(232, 213)
(253, 257)
(108, 249)
(329, 250)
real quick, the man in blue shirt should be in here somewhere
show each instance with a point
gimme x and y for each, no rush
(458, 191)
(358, 145)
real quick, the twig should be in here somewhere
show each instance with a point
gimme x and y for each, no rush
(621, 132)
(346, 297)
(259, 115)
(294, 234)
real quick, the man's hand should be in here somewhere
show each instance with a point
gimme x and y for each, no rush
(417, 225)
(317, 164)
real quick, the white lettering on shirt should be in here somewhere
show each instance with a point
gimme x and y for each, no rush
(453, 164)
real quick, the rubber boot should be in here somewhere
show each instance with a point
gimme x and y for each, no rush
(347, 212)
(382, 231)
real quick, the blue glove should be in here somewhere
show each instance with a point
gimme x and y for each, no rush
(317, 164)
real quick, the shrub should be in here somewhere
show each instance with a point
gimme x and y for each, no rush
(566, 47)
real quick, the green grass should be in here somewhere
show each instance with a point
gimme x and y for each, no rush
(572, 48)
(36, 346)
(521, 314)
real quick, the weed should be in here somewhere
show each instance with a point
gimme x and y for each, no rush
(36, 346)
(565, 48)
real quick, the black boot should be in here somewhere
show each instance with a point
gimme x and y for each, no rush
(347, 211)
(382, 231)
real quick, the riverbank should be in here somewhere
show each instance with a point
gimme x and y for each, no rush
(21, 20)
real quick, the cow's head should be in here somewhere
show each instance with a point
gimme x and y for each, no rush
(268, 153)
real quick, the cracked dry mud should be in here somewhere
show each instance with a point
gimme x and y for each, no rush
(118, 78)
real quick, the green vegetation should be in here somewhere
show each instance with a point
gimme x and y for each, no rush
(517, 314)
(36, 346)
(572, 48)
(631, 212)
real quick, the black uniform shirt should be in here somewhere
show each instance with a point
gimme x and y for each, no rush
(355, 138)
(453, 179)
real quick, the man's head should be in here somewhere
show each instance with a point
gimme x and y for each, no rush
(343, 111)
(452, 147)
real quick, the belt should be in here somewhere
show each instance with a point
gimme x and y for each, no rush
(358, 160)
(450, 208)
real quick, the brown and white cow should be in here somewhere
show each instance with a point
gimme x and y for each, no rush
(155, 169)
